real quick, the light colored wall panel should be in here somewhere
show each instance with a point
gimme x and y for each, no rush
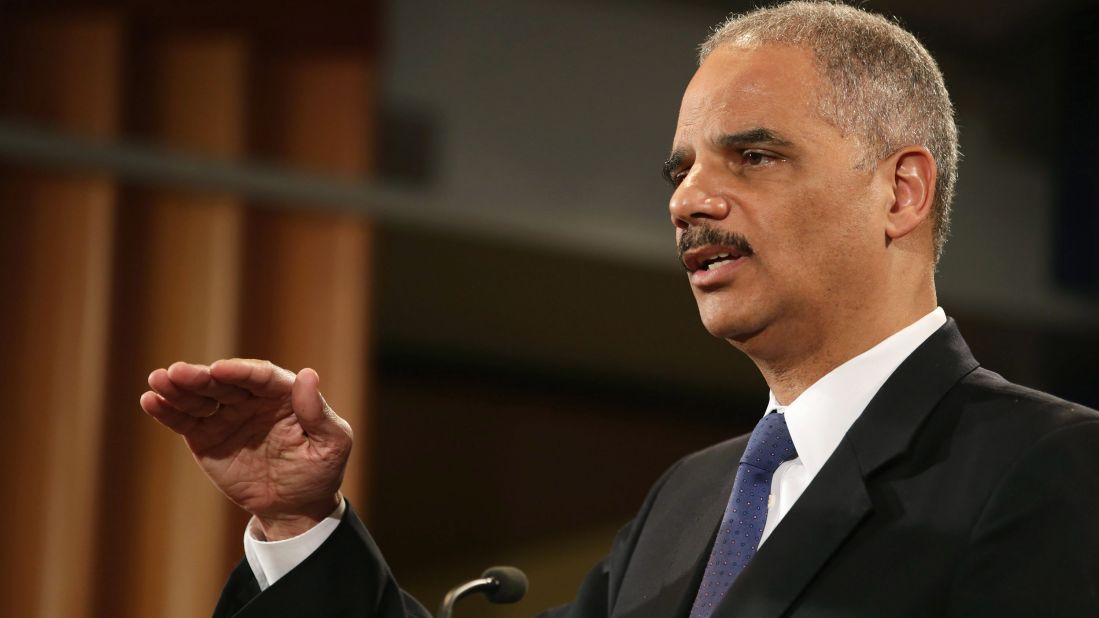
(189, 292)
(56, 346)
(315, 288)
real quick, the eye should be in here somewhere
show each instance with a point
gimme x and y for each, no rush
(675, 169)
(676, 173)
(756, 158)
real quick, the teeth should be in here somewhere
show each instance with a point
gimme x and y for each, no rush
(717, 260)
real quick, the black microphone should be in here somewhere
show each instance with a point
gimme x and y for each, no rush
(500, 584)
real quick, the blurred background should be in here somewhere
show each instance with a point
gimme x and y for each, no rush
(453, 211)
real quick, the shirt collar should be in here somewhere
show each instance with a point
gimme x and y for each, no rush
(820, 417)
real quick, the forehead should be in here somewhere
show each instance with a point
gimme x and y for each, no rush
(773, 86)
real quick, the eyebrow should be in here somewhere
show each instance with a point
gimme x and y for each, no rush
(757, 136)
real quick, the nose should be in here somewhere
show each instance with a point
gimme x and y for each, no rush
(695, 199)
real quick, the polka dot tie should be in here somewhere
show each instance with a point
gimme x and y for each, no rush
(742, 525)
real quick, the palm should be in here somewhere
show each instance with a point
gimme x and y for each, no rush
(257, 453)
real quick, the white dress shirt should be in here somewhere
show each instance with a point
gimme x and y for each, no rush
(270, 560)
(820, 417)
(818, 420)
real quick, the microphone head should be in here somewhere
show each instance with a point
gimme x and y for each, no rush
(512, 584)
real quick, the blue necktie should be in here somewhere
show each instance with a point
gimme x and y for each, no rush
(746, 514)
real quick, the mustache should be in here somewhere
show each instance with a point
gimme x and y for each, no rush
(702, 235)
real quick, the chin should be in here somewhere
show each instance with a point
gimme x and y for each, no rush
(739, 318)
(725, 322)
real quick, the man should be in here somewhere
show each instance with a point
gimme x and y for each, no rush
(813, 164)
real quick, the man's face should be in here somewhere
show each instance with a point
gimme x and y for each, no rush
(779, 227)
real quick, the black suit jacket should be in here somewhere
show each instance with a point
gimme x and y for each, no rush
(955, 493)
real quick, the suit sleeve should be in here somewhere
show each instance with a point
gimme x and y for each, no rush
(348, 578)
(1035, 548)
(345, 578)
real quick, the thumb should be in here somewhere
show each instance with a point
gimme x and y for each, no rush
(313, 413)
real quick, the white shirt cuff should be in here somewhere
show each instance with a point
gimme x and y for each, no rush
(270, 560)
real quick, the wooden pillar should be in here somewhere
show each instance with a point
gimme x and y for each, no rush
(309, 272)
(182, 259)
(63, 72)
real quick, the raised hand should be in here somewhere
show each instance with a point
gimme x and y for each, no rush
(264, 436)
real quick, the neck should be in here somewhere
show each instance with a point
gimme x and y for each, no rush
(815, 349)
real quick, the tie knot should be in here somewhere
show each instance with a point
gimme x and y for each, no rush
(770, 443)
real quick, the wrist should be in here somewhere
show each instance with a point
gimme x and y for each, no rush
(282, 526)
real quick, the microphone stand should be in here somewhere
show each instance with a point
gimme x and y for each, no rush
(456, 594)
(501, 584)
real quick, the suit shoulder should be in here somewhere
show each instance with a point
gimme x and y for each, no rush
(986, 388)
(718, 454)
(1000, 409)
(708, 467)
(713, 462)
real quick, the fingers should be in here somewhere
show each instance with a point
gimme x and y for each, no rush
(314, 415)
(156, 407)
(181, 400)
(184, 394)
(198, 380)
(260, 378)
(192, 390)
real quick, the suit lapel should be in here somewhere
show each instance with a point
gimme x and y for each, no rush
(837, 500)
(890, 422)
(693, 548)
(689, 549)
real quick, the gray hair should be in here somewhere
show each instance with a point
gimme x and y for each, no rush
(885, 88)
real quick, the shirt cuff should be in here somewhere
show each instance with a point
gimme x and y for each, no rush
(270, 560)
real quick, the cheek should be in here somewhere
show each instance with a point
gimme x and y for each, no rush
(797, 242)
(826, 224)
(810, 256)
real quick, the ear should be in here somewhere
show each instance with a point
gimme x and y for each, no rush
(914, 174)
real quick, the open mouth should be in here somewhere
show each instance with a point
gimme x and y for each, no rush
(710, 258)
(717, 261)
